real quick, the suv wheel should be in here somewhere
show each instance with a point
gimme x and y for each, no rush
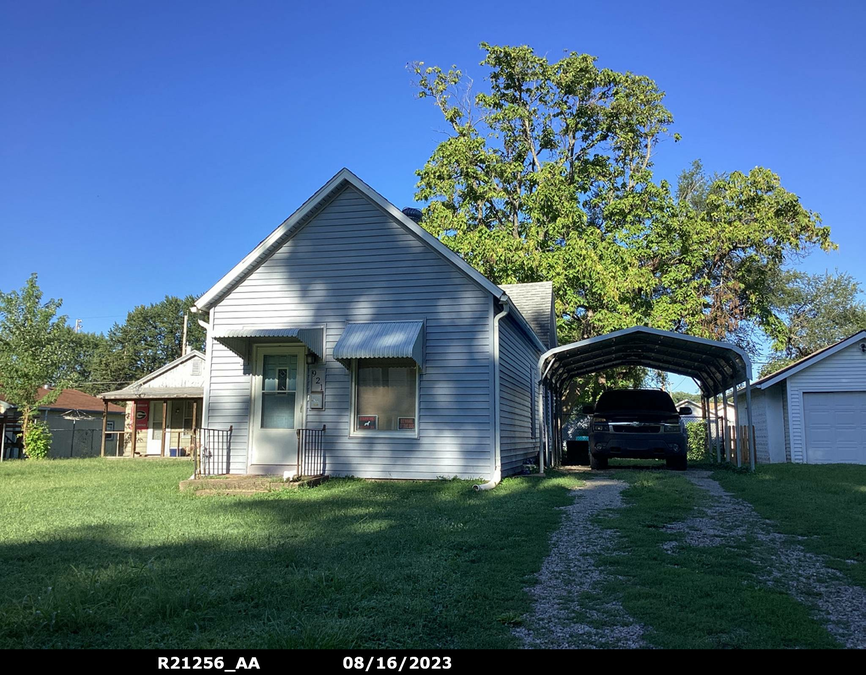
(677, 463)
(597, 463)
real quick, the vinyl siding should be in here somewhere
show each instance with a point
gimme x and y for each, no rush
(353, 262)
(843, 371)
(785, 426)
(775, 424)
(518, 365)
(190, 373)
(759, 421)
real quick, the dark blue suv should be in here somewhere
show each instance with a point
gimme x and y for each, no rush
(637, 423)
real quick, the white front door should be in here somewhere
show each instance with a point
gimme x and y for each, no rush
(278, 395)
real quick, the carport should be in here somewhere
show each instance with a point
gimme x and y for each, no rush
(717, 367)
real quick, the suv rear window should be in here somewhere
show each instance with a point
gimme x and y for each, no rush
(635, 399)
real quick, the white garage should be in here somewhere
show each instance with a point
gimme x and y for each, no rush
(814, 411)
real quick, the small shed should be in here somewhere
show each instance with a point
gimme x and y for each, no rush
(75, 422)
(814, 411)
(164, 408)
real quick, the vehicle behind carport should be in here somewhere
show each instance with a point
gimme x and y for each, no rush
(637, 423)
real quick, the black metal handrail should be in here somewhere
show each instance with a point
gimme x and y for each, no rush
(212, 449)
(311, 452)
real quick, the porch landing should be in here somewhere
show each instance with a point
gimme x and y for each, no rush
(245, 485)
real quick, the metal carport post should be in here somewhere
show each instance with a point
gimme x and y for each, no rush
(750, 429)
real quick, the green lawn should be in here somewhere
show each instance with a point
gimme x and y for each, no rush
(108, 553)
(824, 504)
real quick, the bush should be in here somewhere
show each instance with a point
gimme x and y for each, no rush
(696, 433)
(37, 440)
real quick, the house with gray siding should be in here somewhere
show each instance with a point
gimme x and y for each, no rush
(813, 411)
(351, 317)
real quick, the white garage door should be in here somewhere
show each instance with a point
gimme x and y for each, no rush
(835, 427)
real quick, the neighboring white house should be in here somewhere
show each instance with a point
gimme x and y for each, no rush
(698, 414)
(813, 411)
(166, 406)
(351, 316)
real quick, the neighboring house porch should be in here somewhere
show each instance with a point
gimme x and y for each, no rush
(163, 408)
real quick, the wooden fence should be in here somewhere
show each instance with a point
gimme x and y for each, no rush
(731, 442)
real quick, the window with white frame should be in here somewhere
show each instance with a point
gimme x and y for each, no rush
(386, 395)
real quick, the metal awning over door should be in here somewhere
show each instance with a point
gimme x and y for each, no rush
(238, 339)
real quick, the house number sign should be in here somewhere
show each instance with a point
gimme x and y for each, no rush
(317, 387)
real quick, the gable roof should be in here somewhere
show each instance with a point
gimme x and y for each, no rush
(535, 302)
(815, 357)
(308, 210)
(679, 404)
(192, 354)
(696, 407)
(138, 389)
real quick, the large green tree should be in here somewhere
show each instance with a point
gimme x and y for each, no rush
(809, 312)
(547, 174)
(79, 360)
(34, 350)
(150, 337)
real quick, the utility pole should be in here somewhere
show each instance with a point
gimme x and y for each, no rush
(77, 328)
(185, 323)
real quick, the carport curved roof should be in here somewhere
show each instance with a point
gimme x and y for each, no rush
(716, 366)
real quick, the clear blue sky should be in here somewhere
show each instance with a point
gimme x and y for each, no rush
(148, 146)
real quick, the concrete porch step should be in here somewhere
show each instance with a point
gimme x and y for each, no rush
(246, 485)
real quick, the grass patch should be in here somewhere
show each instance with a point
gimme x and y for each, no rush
(694, 597)
(826, 504)
(108, 553)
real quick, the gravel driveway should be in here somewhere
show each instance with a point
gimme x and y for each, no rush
(787, 566)
(569, 610)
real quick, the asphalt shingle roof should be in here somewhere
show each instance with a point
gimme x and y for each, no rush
(73, 399)
(535, 302)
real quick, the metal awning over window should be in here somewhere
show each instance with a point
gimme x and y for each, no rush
(382, 340)
(237, 339)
